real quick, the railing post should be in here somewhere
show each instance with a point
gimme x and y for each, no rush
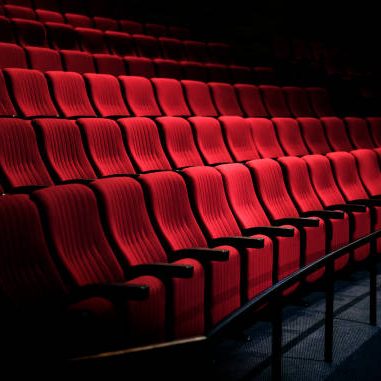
(329, 293)
(276, 357)
(373, 283)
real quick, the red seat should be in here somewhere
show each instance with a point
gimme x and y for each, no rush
(178, 138)
(196, 51)
(47, 4)
(105, 23)
(70, 94)
(172, 48)
(375, 129)
(62, 36)
(336, 134)
(78, 62)
(140, 66)
(45, 15)
(30, 32)
(143, 144)
(43, 59)
(218, 72)
(219, 52)
(147, 46)
(251, 101)
(130, 26)
(12, 55)
(77, 20)
(298, 102)
(109, 64)
(179, 32)
(314, 136)
(275, 101)
(167, 68)
(120, 43)
(225, 99)
(92, 40)
(105, 146)
(6, 28)
(6, 106)
(359, 132)
(195, 71)
(321, 103)
(21, 12)
(156, 30)
(241, 74)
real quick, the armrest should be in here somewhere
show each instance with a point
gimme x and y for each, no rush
(366, 202)
(119, 291)
(239, 242)
(348, 207)
(202, 254)
(300, 222)
(330, 214)
(270, 231)
(161, 270)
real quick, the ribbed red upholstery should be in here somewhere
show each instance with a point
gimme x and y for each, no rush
(170, 96)
(92, 40)
(21, 162)
(241, 74)
(130, 26)
(45, 15)
(147, 46)
(207, 191)
(336, 134)
(272, 190)
(195, 71)
(298, 102)
(219, 52)
(139, 95)
(290, 137)
(11, 55)
(168, 196)
(78, 62)
(120, 43)
(249, 213)
(369, 170)
(195, 51)
(225, 99)
(77, 20)
(209, 139)
(79, 241)
(43, 59)
(64, 150)
(62, 36)
(6, 106)
(265, 138)
(105, 23)
(6, 28)
(179, 142)
(156, 30)
(375, 130)
(70, 94)
(320, 101)
(22, 12)
(304, 196)
(314, 136)
(143, 143)
(251, 101)
(218, 72)
(166, 68)
(172, 48)
(274, 100)
(359, 132)
(25, 82)
(329, 194)
(109, 64)
(199, 99)
(140, 66)
(106, 95)
(30, 32)
(132, 232)
(105, 146)
(239, 138)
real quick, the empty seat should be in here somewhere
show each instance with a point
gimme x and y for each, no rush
(172, 48)
(139, 95)
(375, 130)
(314, 136)
(45, 15)
(194, 70)
(290, 137)
(265, 137)
(167, 68)
(147, 46)
(6, 28)
(274, 101)
(156, 30)
(79, 242)
(21, 162)
(120, 43)
(239, 138)
(16, 11)
(11, 55)
(179, 142)
(76, 61)
(105, 146)
(25, 82)
(64, 150)
(139, 66)
(199, 98)
(92, 40)
(105, 23)
(298, 102)
(6, 106)
(272, 190)
(168, 195)
(109, 64)
(130, 26)
(78, 20)
(320, 101)
(225, 99)
(135, 239)
(143, 144)
(336, 134)
(359, 132)
(241, 74)
(62, 36)
(196, 51)
(106, 95)
(30, 32)
(219, 52)
(330, 196)
(218, 72)
(70, 94)
(251, 101)
(171, 97)
(43, 59)
(210, 141)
